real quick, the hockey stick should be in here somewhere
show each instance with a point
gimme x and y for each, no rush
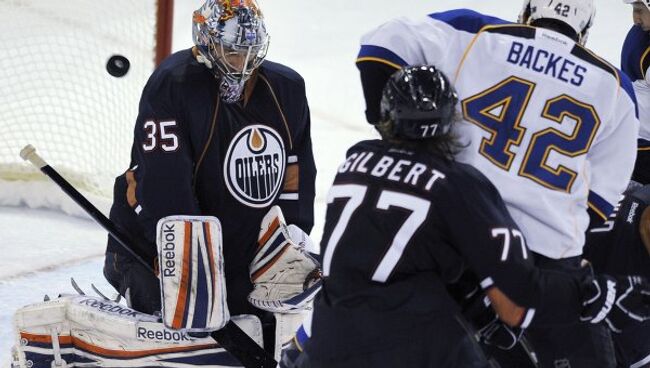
(231, 337)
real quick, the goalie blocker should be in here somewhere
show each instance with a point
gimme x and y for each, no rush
(192, 277)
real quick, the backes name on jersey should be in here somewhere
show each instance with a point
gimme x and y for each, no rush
(416, 174)
(546, 62)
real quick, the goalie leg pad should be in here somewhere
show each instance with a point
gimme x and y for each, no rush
(192, 277)
(89, 331)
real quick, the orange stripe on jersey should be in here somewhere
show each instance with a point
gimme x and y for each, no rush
(612, 68)
(597, 210)
(471, 44)
(379, 60)
(131, 185)
(292, 178)
(261, 271)
(110, 353)
(641, 62)
(462, 60)
(267, 235)
(279, 107)
(44, 339)
(184, 282)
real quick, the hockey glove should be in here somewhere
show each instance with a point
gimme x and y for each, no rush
(490, 329)
(477, 309)
(285, 276)
(618, 301)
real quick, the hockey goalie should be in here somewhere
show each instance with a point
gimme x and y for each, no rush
(86, 331)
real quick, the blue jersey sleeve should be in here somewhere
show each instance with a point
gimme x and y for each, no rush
(467, 20)
(634, 56)
(162, 161)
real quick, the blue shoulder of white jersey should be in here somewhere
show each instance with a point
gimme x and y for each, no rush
(623, 80)
(460, 19)
(627, 86)
(634, 55)
(599, 205)
(467, 20)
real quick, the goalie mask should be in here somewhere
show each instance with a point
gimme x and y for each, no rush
(231, 39)
(419, 103)
(577, 14)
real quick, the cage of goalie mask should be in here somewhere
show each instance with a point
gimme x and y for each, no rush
(231, 38)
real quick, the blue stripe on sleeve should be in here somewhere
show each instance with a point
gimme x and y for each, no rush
(301, 336)
(635, 45)
(599, 205)
(626, 84)
(467, 20)
(370, 51)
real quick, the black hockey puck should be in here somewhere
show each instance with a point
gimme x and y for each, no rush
(118, 66)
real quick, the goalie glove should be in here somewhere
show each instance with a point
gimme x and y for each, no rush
(618, 301)
(285, 277)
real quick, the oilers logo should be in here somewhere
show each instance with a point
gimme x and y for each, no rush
(254, 165)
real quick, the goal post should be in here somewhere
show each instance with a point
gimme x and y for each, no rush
(164, 28)
(56, 93)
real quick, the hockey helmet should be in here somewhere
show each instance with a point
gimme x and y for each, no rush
(578, 14)
(232, 41)
(644, 2)
(419, 101)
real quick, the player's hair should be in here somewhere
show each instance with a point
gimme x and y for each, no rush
(444, 146)
(418, 106)
(557, 26)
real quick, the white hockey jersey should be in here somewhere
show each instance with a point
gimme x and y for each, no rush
(552, 125)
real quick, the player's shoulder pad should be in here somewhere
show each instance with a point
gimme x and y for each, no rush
(177, 68)
(635, 58)
(281, 75)
(622, 79)
(175, 77)
(371, 145)
(465, 186)
(366, 145)
(628, 87)
(467, 176)
(467, 20)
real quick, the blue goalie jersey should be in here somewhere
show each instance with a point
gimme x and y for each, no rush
(196, 155)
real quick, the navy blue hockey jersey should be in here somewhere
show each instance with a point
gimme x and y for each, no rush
(400, 225)
(618, 246)
(195, 155)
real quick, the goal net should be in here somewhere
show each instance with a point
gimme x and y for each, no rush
(56, 94)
